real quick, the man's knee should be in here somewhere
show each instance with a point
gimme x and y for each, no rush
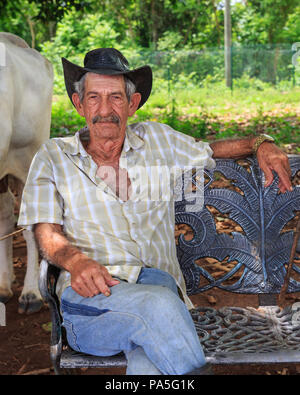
(162, 300)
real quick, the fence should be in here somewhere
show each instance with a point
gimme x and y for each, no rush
(252, 66)
(270, 64)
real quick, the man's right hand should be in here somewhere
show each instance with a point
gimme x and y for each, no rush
(89, 278)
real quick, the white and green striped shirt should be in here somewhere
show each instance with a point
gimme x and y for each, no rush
(62, 187)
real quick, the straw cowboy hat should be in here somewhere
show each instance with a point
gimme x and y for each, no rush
(108, 61)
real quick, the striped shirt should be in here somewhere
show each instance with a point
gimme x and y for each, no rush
(63, 187)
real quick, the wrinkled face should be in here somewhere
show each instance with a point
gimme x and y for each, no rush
(105, 105)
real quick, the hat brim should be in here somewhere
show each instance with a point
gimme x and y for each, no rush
(141, 77)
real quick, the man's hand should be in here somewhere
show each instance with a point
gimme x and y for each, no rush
(88, 278)
(270, 158)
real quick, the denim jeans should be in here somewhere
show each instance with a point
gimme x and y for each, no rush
(146, 320)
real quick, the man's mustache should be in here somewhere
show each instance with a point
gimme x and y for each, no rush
(112, 118)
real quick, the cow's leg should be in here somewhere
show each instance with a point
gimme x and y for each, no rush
(6, 226)
(30, 300)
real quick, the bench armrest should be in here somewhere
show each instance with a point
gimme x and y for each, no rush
(47, 284)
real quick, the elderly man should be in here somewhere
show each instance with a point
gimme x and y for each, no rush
(121, 284)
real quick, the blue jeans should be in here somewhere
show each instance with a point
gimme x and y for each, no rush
(147, 321)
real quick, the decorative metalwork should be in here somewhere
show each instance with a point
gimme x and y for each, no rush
(248, 330)
(261, 251)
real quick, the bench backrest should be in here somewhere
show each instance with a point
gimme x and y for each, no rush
(251, 260)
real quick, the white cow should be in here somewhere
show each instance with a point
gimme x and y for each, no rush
(26, 82)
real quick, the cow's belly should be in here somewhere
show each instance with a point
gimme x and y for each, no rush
(24, 124)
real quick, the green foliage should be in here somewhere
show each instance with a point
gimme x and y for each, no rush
(74, 37)
(169, 41)
(195, 126)
(211, 112)
(246, 82)
(54, 10)
(65, 119)
(291, 31)
(159, 24)
(13, 20)
(265, 22)
(182, 40)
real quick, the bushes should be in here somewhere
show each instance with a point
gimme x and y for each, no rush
(65, 119)
(74, 37)
(209, 113)
(174, 65)
(189, 92)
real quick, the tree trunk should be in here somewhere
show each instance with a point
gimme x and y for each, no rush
(216, 21)
(32, 32)
(227, 42)
(154, 24)
(51, 27)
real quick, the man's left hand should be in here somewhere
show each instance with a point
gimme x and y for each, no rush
(271, 158)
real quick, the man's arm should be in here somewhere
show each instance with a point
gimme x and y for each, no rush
(269, 157)
(88, 277)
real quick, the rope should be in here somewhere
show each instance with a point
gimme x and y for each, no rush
(11, 234)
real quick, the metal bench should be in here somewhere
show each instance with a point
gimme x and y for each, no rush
(257, 257)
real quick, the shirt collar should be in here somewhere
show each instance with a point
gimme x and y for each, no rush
(73, 145)
(132, 140)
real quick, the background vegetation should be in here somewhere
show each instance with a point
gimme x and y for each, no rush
(183, 42)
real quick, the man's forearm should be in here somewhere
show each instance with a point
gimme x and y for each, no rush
(270, 158)
(55, 247)
(235, 148)
(88, 277)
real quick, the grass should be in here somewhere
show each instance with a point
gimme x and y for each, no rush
(65, 120)
(210, 112)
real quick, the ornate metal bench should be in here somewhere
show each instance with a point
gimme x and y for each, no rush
(257, 257)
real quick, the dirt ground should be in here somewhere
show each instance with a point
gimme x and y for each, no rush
(24, 341)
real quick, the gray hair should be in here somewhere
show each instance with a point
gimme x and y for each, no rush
(79, 87)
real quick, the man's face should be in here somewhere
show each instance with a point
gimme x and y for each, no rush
(105, 105)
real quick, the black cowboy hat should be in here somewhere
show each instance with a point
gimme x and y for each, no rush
(108, 61)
